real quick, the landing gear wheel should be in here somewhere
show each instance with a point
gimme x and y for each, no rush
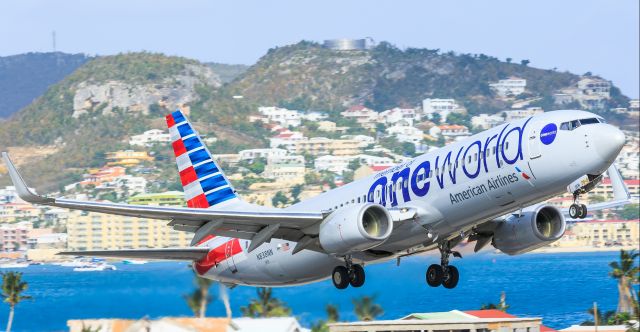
(340, 277)
(435, 274)
(583, 211)
(451, 277)
(574, 211)
(357, 277)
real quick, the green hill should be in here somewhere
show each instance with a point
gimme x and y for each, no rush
(25, 77)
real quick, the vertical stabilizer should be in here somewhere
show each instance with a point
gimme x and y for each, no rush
(204, 183)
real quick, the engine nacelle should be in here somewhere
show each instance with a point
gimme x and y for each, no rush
(355, 228)
(529, 231)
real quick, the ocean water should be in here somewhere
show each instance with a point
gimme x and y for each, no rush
(558, 287)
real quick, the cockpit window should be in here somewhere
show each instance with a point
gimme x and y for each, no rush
(589, 121)
(571, 125)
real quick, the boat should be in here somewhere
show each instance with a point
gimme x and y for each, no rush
(94, 267)
(14, 265)
(73, 263)
(134, 261)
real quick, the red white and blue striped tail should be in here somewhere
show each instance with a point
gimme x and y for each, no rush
(203, 181)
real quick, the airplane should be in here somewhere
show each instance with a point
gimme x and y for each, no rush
(487, 188)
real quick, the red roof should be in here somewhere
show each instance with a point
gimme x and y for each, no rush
(631, 182)
(495, 313)
(356, 108)
(378, 168)
(489, 313)
(612, 220)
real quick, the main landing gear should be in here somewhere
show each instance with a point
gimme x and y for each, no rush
(577, 210)
(444, 274)
(351, 274)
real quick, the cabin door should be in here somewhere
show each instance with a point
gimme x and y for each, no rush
(534, 144)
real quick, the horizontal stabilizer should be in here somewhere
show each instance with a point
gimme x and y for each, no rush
(187, 254)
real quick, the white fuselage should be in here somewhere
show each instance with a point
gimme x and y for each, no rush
(454, 188)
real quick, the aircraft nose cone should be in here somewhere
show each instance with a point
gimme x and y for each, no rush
(608, 142)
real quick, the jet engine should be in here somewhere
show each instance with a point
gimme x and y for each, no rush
(529, 231)
(355, 228)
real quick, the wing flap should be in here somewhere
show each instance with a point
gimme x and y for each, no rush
(189, 254)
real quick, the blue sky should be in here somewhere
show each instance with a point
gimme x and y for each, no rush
(575, 35)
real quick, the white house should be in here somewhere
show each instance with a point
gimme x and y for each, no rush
(366, 117)
(363, 140)
(486, 121)
(261, 153)
(397, 114)
(286, 139)
(149, 137)
(290, 167)
(442, 107)
(314, 116)
(513, 115)
(284, 117)
(406, 133)
(511, 86)
(335, 164)
(449, 131)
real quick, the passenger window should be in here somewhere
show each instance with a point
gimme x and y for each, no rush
(358, 199)
(507, 146)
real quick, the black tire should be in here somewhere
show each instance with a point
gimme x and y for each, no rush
(451, 277)
(340, 277)
(357, 278)
(434, 275)
(583, 211)
(574, 211)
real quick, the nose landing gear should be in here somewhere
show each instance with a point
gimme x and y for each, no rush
(444, 274)
(577, 210)
(351, 274)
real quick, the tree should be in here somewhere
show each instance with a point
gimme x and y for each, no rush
(332, 316)
(509, 60)
(502, 306)
(525, 62)
(200, 297)
(626, 272)
(265, 306)
(366, 309)
(12, 289)
(279, 199)
(295, 192)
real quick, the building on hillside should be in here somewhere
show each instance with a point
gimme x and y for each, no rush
(365, 117)
(252, 154)
(92, 231)
(449, 131)
(602, 328)
(395, 115)
(318, 146)
(286, 140)
(314, 116)
(607, 233)
(509, 87)
(169, 198)
(486, 121)
(230, 159)
(634, 106)
(364, 140)
(595, 86)
(15, 236)
(282, 116)
(125, 184)
(404, 132)
(605, 190)
(98, 176)
(45, 238)
(273, 324)
(455, 320)
(127, 158)
(591, 92)
(628, 160)
(335, 164)
(285, 168)
(442, 107)
(513, 115)
(9, 195)
(19, 211)
(150, 137)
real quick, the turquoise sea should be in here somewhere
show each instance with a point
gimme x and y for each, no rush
(557, 287)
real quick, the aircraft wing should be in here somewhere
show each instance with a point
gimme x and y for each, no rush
(256, 225)
(187, 254)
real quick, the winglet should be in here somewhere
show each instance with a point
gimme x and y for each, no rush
(21, 187)
(620, 191)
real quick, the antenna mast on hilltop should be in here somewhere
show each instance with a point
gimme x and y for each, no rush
(53, 38)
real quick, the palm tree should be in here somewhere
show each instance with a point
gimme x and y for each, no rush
(366, 309)
(332, 316)
(199, 298)
(503, 306)
(626, 271)
(265, 305)
(12, 288)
